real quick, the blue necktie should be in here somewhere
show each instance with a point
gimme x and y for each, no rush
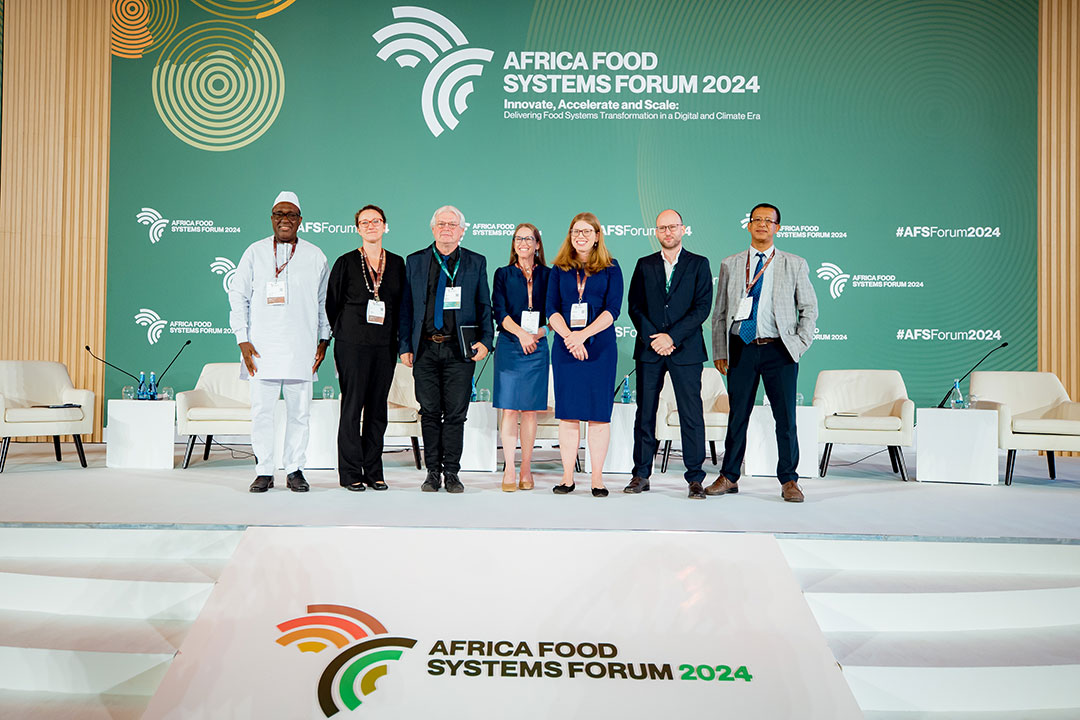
(748, 327)
(440, 293)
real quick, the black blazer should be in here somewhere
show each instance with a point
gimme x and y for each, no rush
(475, 297)
(679, 313)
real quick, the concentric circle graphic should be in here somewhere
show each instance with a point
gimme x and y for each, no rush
(141, 26)
(218, 85)
(243, 9)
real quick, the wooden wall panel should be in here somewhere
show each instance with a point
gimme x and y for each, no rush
(1059, 191)
(54, 184)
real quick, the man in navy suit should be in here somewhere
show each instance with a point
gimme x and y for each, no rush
(669, 300)
(445, 330)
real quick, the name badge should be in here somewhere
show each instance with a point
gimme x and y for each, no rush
(376, 311)
(452, 299)
(746, 306)
(579, 315)
(275, 292)
(530, 321)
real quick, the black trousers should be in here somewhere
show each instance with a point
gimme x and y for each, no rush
(686, 381)
(443, 384)
(365, 373)
(772, 365)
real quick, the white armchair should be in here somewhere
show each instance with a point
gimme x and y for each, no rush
(865, 407)
(1034, 413)
(715, 403)
(403, 415)
(26, 386)
(220, 404)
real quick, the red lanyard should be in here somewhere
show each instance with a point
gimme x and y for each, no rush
(279, 268)
(528, 282)
(581, 286)
(761, 272)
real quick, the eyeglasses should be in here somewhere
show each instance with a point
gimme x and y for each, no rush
(365, 224)
(524, 240)
(446, 225)
(587, 232)
(278, 215)
(763, 221)
(668, 228)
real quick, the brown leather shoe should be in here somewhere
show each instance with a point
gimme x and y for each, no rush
(790, 492)
(637, 485)
(696, 492)
(722, 486)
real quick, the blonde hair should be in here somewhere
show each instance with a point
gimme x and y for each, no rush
(599, 258)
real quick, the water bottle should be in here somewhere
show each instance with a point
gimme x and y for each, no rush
(626, 399)
(956, 398)
(474, 390)
(141, 393)
(152, 390)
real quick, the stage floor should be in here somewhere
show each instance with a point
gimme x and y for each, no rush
(861, 500)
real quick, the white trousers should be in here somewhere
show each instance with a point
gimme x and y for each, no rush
(264, 397)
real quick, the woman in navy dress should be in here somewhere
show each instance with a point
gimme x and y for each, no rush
(585, 290)
(521, 352)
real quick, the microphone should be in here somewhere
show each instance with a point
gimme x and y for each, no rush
(110, 364)
(173, 360)
(618, 386)
(946, 398)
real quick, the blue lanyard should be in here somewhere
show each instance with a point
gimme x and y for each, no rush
(443, 265)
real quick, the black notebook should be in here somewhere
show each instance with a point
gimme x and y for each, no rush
(467, 336)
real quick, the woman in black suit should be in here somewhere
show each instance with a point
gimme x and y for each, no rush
(363, 305)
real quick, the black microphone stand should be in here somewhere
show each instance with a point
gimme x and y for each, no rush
(946, 398)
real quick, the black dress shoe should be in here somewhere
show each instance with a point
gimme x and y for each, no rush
(433, 481)
(356, 487)
(295, 481)
(262, 483)
(563, 489)
(599, 492)
(696, 491)
(453, 484)
(637, 485)
(377, 485)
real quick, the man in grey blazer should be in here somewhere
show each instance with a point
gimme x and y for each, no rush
(763, 322)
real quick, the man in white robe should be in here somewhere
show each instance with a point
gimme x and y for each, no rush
(278, 314)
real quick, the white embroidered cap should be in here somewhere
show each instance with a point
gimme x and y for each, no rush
(289, 197)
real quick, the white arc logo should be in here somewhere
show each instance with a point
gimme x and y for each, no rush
(745, 221)
(426, 34)
(153, 323)
(837, 278)
(225, 267)
(151, 217)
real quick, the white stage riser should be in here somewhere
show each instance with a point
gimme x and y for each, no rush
(67, 671)
(103, 598)
(30, 542)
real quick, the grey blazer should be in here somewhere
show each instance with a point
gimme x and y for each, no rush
(794, 302)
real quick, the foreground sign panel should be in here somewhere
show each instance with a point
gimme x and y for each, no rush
(408, 623)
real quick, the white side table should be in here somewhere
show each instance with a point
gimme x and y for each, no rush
(480, 451)
(620, 453)
(957, 446)
(761, 457)
(322, 438)
(140, 434)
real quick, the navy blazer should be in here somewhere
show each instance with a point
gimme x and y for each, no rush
(510, 293)
(680, 313)
(475, 298)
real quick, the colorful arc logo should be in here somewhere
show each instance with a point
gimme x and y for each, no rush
(367, 644)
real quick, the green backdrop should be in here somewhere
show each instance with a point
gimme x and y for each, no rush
(898, 138)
